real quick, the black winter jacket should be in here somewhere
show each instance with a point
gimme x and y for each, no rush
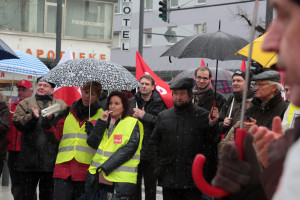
(236, 110)
(264, 115)
(152, 107)
(180, 134)
(4, 126)
(121, 156)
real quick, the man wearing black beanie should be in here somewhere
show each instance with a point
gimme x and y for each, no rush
(231, 110)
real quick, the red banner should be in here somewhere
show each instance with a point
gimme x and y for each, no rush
(162, 87)
(67, 94)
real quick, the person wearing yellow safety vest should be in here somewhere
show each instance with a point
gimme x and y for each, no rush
(113, 171)
(72, 127)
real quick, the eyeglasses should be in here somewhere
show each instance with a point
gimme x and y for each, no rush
(260, 85)
(203, 78)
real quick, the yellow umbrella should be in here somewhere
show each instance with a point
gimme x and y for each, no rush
(266, 59)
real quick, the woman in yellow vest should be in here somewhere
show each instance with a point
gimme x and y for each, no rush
(72, 128)
(113, 171)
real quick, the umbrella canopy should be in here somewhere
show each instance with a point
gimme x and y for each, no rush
(27, 64)
(75, 73)
(266, 59)
(224, 83)
(6, 52)
(218, 45)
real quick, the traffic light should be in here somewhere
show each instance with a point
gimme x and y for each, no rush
(164, 10)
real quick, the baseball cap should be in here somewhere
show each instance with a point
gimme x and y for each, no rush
(24, 83)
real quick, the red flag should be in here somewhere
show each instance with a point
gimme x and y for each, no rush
(162, 87)
(67, 94)
(243, 66)
(202, 63)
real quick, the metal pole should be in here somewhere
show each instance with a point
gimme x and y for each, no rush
(269, 14)
(141, 27)
(58, 30)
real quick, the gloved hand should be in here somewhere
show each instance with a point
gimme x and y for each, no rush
(46, 124)
(89, 127)
(237, 176)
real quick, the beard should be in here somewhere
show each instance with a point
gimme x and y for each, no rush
(181, 104)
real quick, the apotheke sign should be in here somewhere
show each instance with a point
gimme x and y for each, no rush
(40, 53)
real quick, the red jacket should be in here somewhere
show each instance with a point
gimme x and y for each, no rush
(13, 135)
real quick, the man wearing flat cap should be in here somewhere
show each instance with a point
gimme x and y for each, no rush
(180, 133)
(267, 102)
(38, 148)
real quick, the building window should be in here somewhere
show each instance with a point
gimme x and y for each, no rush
(118, 7)
(148, 37)
(89, 20)
(200, 28)
(148, 4)
(173, 30)
(116, 39)
(174, 3)
(201, 1)
(19, 16)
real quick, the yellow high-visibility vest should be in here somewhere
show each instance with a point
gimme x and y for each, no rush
(127, 172)
(292, 109)
(73, 142)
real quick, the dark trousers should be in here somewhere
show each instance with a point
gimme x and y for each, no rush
(15, 177)
(30, 180)
(181, 194)
(66, 189)
(146, 170)
(1, 168)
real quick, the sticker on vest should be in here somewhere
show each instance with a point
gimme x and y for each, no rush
(118, 139)
(94, 122)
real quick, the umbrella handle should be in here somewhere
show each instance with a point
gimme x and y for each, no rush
(214, 106)
(197, 169)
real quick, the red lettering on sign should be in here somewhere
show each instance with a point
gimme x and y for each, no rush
(82, 55)
(2, 74)
(51, 54)
(102, 57)
(29, 77)
(29, 51)
(39, 53)
(61, 54)
(92, 55)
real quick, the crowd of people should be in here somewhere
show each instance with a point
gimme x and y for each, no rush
(102, 147)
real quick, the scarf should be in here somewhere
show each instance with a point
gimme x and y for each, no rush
(199, 93)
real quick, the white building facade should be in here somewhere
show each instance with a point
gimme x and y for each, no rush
(202, 17)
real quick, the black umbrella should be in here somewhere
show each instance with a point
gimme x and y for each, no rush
(6, 52)
(217, 46)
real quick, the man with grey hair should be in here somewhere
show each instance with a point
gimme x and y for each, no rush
(267, 102)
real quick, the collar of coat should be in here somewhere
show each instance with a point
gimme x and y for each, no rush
(186, 109)
(268, 104)
(155, 96)
(81, 112)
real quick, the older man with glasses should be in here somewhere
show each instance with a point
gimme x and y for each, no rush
(267, 102)
(25, 90)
